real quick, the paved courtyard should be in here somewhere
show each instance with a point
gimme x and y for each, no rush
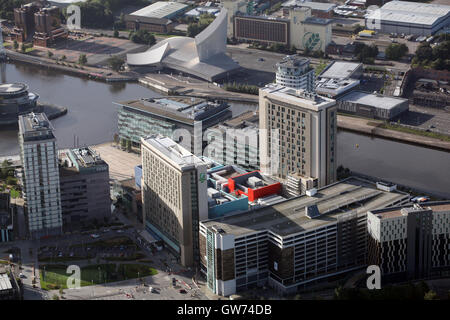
(96, 49)
(121, 163)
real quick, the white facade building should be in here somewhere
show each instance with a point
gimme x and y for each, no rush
(41, 188)
(295, 72)
(174, 195)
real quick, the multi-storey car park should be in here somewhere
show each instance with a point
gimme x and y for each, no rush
(295, 242)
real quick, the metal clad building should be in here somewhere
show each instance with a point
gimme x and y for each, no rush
(409, 18)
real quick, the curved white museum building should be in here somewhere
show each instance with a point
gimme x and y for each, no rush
(203, 56)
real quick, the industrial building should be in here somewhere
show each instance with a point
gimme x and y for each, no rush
(235, 142)
(294, 243)
(174, 195)
(297, 134)
(15, 100)
(181, 118)
(410, 242)
(338, 78)
(85, 191)
(41, 188)
(372, 105)
(203, 56)
(318, 9)
(155, 17)
(295, 72)
(407, 17)
(299, 29)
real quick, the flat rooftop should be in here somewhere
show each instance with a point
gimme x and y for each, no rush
(340, 70)
(5, 283)
(411, 12)
(394, 212)
(298, 97)
(352, 195)
(313, 5)
(316, 20)
(183, 109)
(12, 88)
(173, 151)
(293, 61)
(160, 9)
(86, 157)
(373, 100)
(32, 124)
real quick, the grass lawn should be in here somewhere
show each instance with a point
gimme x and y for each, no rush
(55, 276)
(416, 132)
(131, 271)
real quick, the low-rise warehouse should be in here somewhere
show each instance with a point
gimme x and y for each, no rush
(409, 18)
(155, 17)
(372, 105)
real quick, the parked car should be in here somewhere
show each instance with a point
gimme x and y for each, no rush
(21, 275)
(420, 199)
(182, 291)
(95, 236)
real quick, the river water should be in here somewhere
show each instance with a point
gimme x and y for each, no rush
(92, 116)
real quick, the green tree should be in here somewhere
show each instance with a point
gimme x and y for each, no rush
(430, 295)
(15, 45)
(49, 54)
(63, 58)
(395, 51)
(115, 63)
(143, 37)
(23, 48)
(7, 8)
(82, 59)
(116, 33)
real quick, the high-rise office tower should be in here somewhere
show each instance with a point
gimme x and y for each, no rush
(297, 136)
(41, 188)
(295, 72)
(174, 195)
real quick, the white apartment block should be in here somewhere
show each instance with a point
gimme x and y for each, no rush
(295, 72)
(297, 134)
(41, 187)
(174, 195)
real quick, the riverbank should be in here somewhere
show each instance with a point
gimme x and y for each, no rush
(373, 128)
(85, 72)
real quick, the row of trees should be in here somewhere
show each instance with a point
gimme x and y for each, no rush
(436, 58)
(243, 88)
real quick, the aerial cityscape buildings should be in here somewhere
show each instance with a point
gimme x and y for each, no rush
(224, 150)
